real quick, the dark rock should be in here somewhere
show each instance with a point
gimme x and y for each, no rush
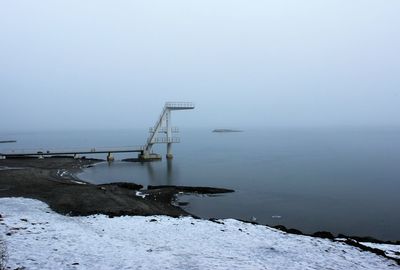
(294, 231)
(377, 251)
(281, 228)
(215, 220)
(183, 203)
(131, 186)
(249, 222)
(152, 220)
(324, 234)
(364, 248)
(188, 189)
(368, 239)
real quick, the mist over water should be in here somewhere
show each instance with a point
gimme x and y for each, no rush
(343, 180)
(100, 64)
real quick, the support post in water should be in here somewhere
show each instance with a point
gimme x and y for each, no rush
(110, 157)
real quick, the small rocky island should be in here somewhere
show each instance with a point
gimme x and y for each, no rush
(226, 130)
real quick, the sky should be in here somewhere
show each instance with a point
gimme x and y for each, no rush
(112, 64)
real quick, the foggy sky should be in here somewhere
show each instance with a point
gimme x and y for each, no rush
(113, 64)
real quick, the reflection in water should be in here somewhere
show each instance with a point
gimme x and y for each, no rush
(158, 175)
(150, 171)
(169, 172)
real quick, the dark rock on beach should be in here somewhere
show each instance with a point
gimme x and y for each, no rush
(131, 186)
(281, 228)
(294, 231)
(377, 251)
(199, 190)
(324, 234)
(368, 239)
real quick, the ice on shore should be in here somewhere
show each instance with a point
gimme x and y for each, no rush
(38, 238)
(140, 194)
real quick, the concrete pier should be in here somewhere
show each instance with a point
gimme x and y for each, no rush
(169, 151)
(110, 157)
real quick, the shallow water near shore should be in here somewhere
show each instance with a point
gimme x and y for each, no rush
(343, 180)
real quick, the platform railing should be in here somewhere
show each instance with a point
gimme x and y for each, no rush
(164, 130)
(167, 140)
(180, 105)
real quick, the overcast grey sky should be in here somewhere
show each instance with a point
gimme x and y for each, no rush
(113, 64)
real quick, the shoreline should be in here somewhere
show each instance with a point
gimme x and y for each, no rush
(53, 180)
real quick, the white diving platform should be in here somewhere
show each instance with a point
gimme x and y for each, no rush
(163, 126)
(160, 133)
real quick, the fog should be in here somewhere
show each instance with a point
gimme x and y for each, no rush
(113, 64)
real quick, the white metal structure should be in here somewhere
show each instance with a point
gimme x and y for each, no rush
(163, 126)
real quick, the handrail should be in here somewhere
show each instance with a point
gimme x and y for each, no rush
(164, 130)
(150, 138)
(179, 105)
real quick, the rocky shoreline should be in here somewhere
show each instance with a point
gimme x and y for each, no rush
(53, 181)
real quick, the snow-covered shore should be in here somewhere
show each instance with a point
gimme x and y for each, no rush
(38, 238)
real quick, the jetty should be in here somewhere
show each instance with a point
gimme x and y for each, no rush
(9, 141)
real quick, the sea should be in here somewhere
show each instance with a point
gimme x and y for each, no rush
(343, 180)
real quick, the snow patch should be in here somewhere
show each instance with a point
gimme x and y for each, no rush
(78, 182)
(140, 194)
(38, 238)
(61, 173)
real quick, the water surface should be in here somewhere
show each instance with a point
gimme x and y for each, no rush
(340, 180)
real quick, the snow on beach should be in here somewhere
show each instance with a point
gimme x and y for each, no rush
(38, 238)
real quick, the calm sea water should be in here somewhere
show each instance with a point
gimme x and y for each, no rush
(340, 180)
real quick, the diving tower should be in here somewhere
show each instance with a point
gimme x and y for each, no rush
(163, 131)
